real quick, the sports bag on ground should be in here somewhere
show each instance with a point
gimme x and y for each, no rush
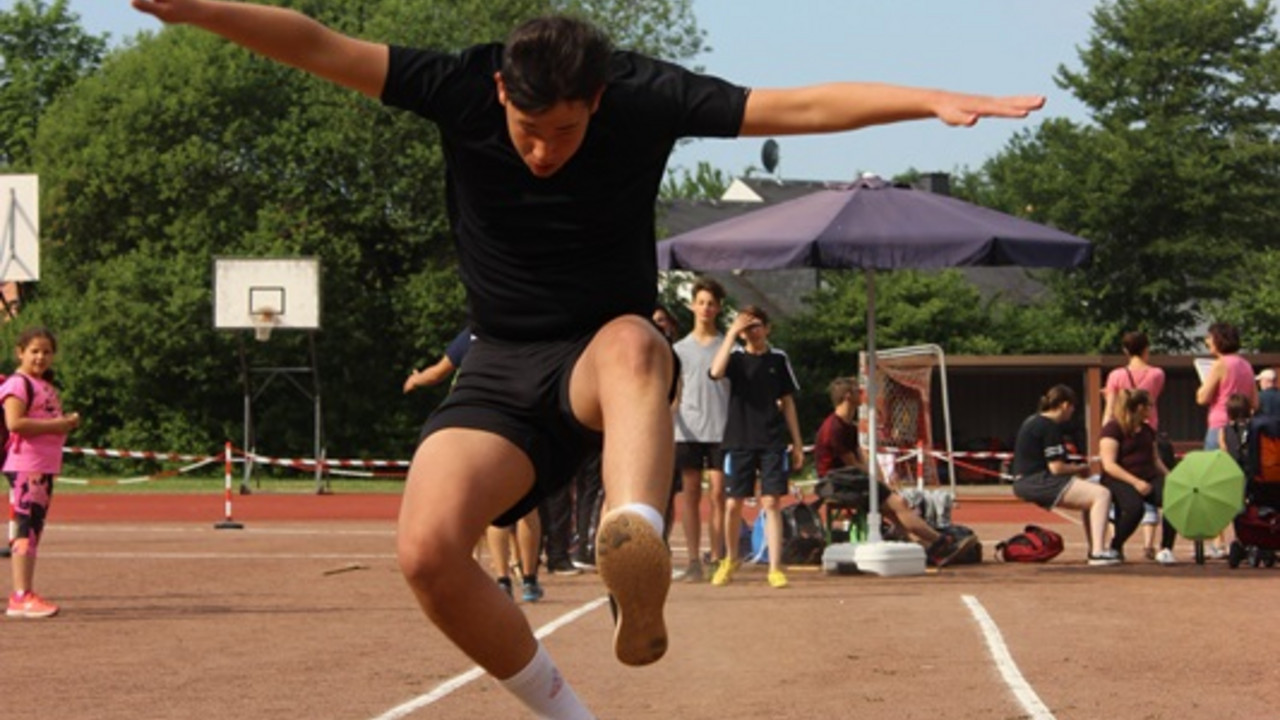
(1033, 544)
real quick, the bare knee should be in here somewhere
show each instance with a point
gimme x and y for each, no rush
(427, 562)
(634, 347)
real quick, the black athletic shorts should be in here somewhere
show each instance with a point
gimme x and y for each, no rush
(699, 456)
(520, 391)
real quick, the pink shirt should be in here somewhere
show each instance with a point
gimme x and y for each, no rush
(36, 453)
(1238, 379)
(1150, 379)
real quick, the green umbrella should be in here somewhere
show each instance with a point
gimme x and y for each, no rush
(1203, 492)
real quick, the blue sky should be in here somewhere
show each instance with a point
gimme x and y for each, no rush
(985, 46)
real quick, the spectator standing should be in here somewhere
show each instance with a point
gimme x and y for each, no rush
(762, 423)
(37, 430)
(699, 426)
(1229, 375)
(1268, 394)
(1044, 475)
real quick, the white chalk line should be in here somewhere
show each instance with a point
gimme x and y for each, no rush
(446, 688)
(1022, 690)
(189, 529)
(161, 555)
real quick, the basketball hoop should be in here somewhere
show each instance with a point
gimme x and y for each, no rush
(264, 321)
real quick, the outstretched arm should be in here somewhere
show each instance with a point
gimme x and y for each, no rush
(283, 35)
(834, 107)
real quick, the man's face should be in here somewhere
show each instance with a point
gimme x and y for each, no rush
(705, 306)
(546, 141)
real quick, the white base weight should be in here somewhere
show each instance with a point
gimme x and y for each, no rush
(888, 558)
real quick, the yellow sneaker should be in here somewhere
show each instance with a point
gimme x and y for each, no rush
(777, 579)
(724, 573)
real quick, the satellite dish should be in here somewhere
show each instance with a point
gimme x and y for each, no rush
(769, 155)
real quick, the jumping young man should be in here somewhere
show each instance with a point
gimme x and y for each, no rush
(556, 145)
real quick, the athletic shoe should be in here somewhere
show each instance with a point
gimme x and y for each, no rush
(1165, 557)
(562, 566)
(1215, 552)
(531, 590)
(505, 584)
(584, 566)
(777, 579)
(725, 571)
(30, 605)
(693, 573)
(947, 547)
(1106, 557)
(635, 565)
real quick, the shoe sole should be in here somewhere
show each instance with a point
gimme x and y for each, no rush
(635, 566)
(963, 544)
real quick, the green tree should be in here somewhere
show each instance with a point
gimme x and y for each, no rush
(184, 147)
(1175, 179)
(43, 51)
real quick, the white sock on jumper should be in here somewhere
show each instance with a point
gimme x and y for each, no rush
(544, 691)
(648, 513)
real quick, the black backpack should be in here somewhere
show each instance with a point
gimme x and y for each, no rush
(803, 538)
(4, 427)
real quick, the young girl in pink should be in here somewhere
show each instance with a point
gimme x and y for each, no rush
(37, 429)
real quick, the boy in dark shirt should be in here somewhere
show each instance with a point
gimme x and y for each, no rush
(555, 146)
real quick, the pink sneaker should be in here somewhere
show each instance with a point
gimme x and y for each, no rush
(30, 605)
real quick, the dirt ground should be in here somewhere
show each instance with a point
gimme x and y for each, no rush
(303, 614)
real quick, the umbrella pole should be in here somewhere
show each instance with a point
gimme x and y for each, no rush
(873, 461)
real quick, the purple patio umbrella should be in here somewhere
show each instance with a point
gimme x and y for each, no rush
(872, 225)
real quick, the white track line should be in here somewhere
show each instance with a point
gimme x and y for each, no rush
(160, 555)
(446, 688)
(1022, 690)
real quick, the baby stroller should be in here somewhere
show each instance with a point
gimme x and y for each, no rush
(1258, 527)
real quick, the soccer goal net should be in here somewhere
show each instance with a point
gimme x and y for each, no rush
(904, 417)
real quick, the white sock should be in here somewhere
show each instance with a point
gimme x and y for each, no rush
(648, 513)
(544, 691)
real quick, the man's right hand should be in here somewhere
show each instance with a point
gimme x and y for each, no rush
(170, 11)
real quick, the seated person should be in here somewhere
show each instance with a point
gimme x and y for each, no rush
(836, 447)
(1043, 475)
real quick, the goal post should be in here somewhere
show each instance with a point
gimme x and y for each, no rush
(904, 415)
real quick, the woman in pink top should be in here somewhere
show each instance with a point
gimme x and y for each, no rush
(1229, 375)
(1137, 374)
(37, 429)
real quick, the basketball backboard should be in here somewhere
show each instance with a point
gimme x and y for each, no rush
(288, 289)
(20, 228)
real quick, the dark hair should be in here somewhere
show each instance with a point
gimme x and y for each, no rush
(1226, 338)
(1057, 395)
(1134, 343)
(1238, 407)
(554, 58)
(706, 284)
(675, 324)
(757, 311)
(840, 387)
(38, 331)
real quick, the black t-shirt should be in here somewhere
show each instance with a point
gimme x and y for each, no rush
(1039, 442)
(1137, 452)
(553, 258)
(756, 384)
